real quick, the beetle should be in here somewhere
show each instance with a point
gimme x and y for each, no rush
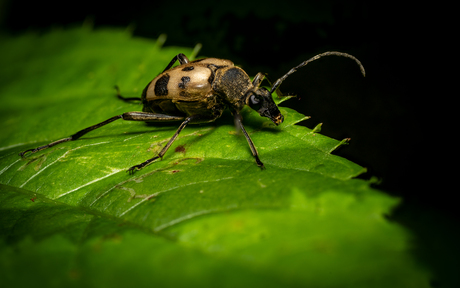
(198, 92)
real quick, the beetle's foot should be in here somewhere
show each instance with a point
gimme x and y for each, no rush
(133, 169)
(27, 151)
(142, 165)
(259, 163)
(32, 151)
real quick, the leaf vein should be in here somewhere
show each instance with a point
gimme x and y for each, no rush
(170, 189)
(89, 183)
(59, 158)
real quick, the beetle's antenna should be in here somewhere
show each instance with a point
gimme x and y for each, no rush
(279, 81)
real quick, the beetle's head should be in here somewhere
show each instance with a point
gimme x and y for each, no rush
(261, 100)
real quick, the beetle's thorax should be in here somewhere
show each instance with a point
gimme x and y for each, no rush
(232, 84)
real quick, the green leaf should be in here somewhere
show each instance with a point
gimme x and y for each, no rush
(205, 215)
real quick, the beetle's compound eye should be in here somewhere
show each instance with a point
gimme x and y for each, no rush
(255, 102)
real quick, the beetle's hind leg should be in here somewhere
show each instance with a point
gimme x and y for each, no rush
(126, 99)
(130, 116)
(73, 137)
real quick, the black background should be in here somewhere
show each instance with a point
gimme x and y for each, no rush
(395, 116)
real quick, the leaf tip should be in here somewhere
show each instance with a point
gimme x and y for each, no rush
(340, 144)
(196, 50)
(160, 41)
(317, 128)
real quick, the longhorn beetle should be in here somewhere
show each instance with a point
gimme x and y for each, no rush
(198, 92)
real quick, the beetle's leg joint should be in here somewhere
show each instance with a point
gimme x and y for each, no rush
(25, 152)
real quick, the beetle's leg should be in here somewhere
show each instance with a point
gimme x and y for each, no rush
(258, 80)
(163, 151)
(150, 117)
(239, 122)
(182, 60)
(126, 99)
(133, 116)
(73, 137)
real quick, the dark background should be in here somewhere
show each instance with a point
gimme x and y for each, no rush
(395, 116)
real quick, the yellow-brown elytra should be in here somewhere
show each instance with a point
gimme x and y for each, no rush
(198, 92)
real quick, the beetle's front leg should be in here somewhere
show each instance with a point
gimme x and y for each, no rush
(258, 80)
(239, 123)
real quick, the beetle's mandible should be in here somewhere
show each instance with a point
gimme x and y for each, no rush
(198, 92)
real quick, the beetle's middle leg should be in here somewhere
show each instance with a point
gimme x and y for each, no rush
(163, 151)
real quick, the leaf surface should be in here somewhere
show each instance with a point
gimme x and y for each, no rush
(205, 214)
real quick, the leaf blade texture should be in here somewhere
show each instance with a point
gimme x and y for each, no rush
(205, 214)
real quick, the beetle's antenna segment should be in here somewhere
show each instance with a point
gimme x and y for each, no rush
(279, 81)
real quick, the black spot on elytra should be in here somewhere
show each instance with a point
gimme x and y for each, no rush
(161, 86)
(183, 84)
(189, 68)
